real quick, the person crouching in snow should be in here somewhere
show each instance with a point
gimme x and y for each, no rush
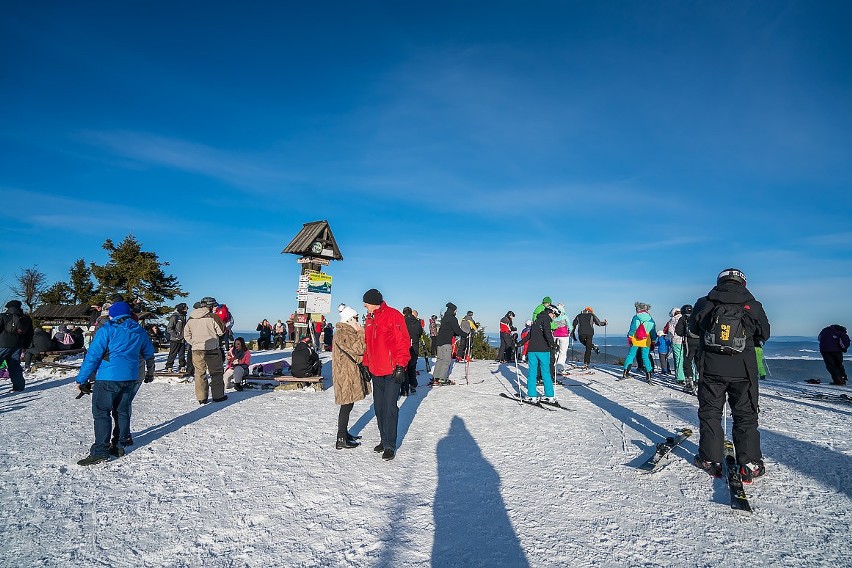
(642, 332)
(349, 384)
(541, 342)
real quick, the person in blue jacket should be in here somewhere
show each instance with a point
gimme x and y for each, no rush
(114, 359)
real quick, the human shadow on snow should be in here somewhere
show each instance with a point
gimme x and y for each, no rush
(152, 433)
(472, 525)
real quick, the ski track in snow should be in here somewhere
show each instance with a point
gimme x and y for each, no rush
(478, 480)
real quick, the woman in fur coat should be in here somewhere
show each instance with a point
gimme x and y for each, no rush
(349, 386)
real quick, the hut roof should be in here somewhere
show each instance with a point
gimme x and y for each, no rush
(315, 232)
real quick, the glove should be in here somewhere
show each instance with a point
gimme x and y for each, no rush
(148, 379)
(366, 375)
(398, 375)
(85, 388)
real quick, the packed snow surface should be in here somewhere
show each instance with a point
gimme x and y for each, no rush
(478, 480)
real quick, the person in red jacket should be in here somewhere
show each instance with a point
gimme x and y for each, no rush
(386, 357)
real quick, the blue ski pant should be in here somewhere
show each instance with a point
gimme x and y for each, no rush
(385, 395)
(539, 360)
(631, 356)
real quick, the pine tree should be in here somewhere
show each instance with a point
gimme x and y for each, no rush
(135, 273)
(58, 293)
(82, 287)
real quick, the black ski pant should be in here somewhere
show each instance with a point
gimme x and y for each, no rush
(177, 350)
(690, 358)
(411, 372)
(506, 345)
(741, 394)
(586, 340)
(434, 345)
(834, 365)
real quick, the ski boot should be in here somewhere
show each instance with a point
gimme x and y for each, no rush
(751, 471)
(530, 399)
(712, 469)
(648, 377)
(625, 374)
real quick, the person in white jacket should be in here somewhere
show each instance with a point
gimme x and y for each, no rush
(562, 333)
(677, 344)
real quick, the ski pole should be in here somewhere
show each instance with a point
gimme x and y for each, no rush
(517, 375)
(467, 360)
(604, 345)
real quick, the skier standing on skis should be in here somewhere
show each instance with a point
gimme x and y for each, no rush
(729, 322)
(541, 342)
(449, 329)
(562, 334)
(469, 326)
(584, 326)
(640, 336)
(507, 343)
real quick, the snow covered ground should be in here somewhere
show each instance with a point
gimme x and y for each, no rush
(478, 480)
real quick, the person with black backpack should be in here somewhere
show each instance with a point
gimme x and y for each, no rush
(16, 333)
(729, 322)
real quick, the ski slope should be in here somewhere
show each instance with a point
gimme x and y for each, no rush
(478, 480)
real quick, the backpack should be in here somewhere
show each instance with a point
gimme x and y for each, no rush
(223, 313)
(12, 324)
(641, 333)
(67, 339)
(724, 329)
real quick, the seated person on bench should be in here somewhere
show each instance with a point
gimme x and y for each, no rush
(41, 343)
(63, 341)
(306, 362)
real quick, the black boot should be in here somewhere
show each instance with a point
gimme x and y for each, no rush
(648, 376)
(352, 438)
(344, 443)
(625, 374)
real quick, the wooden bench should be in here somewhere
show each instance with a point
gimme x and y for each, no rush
(55, 356)
(286, 382)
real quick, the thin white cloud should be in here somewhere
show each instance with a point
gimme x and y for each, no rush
(236, 169)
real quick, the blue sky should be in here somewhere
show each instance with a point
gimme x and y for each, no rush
(487, 153)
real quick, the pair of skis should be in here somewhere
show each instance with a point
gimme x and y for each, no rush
(552, 406)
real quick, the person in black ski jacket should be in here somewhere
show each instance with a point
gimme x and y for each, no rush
(833, 343)
(16, 333)
(415, 330)
(690, 348)
(449, 328)
(730, 373)
(540, 350)
(507, 342)
(177, 344)
(584, 325)
(306, 361)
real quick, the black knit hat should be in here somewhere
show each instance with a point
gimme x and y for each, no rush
(13, 304)
(373, 297)
(451, 306)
